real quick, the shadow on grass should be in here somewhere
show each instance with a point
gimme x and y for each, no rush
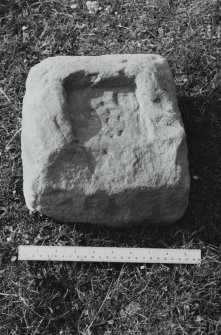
(202, 121)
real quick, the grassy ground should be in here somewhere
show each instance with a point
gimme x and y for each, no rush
(61, 298)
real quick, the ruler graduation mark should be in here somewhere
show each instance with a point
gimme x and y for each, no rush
(108, 254)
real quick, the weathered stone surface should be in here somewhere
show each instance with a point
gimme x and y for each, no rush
(103, 140)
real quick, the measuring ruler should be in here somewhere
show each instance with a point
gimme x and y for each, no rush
(108, 254)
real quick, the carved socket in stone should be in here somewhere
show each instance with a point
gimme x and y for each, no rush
(103, 141)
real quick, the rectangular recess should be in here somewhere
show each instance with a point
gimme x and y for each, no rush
(108, 254)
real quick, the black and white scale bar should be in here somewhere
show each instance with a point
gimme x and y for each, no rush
(108, 254)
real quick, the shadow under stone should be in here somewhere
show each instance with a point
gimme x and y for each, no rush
(202, 122)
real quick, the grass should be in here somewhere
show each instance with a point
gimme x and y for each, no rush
(105, 298)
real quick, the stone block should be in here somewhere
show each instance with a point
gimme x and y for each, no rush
(103, 141)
